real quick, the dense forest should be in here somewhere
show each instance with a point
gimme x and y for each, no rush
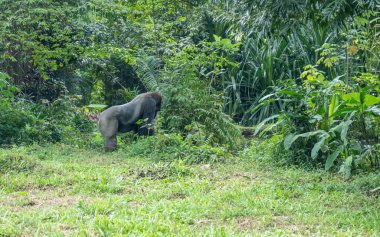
(307, 70)
(283, 83)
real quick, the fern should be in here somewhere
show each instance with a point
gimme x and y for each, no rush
(219, 126)
(148, 72)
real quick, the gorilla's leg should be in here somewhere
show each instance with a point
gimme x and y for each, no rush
(110, 143)
(108, 128)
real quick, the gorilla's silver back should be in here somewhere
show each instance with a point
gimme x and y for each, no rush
(127, 113)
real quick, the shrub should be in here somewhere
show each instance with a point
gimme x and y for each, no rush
(175, 147)
(28, 122)
(12, 124)
(329, 122)
(193, 96)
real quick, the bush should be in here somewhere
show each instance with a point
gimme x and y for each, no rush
(12, 125)
(329, 122)
(193, 99)
(28, 122)
(173, 147)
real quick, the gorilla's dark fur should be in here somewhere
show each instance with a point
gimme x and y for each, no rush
(124, 118)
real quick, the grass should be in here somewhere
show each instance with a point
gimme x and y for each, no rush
(66, 191)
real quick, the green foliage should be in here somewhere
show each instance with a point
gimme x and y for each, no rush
(17, 163)
(12, 125)
(39, 37)
(172, 146)
(327, 115)
(6, 90)
(216, 63)
(191, 104)
(333, 126)
(148, 73)
(27, 122)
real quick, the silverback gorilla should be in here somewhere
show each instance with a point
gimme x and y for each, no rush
(137, 115)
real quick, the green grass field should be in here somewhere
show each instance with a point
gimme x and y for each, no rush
(67, 191)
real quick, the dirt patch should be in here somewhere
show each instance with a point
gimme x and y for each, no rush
(36, 199)
(204, 221)
(177, 196)
(245, 175)
(134, 204)
(248, 223)
(48, 202)
(66, 229)
(287, 223)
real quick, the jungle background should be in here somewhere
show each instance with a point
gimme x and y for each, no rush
(290, 86)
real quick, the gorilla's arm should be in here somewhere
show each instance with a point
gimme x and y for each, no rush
(108, 126)
(148, 115)
(128, 115)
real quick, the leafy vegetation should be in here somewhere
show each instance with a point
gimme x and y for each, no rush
(303, 77)
(217, 63)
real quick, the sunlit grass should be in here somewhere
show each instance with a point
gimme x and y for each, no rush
(66, 191)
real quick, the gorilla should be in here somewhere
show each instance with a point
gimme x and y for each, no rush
(137, 115)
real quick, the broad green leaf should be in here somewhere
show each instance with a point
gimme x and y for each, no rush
(266, 97)
(307, 67)
(310, 77)
(292, 138)
(226, 42)
(97, 106)
(4, 76)
(333, 107)
(343, 134)
(342, 110)
(332, 157)
(346, 167)
(304, 74)
(288, 141)
(217, 38)
(352, 96)
(321, 77)
(318, 146)
(371, 100)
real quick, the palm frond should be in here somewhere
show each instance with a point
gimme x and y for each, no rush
(148, 72)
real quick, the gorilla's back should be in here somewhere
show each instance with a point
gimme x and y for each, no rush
(130, 112)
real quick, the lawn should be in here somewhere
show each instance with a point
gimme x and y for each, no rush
(66, 191)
